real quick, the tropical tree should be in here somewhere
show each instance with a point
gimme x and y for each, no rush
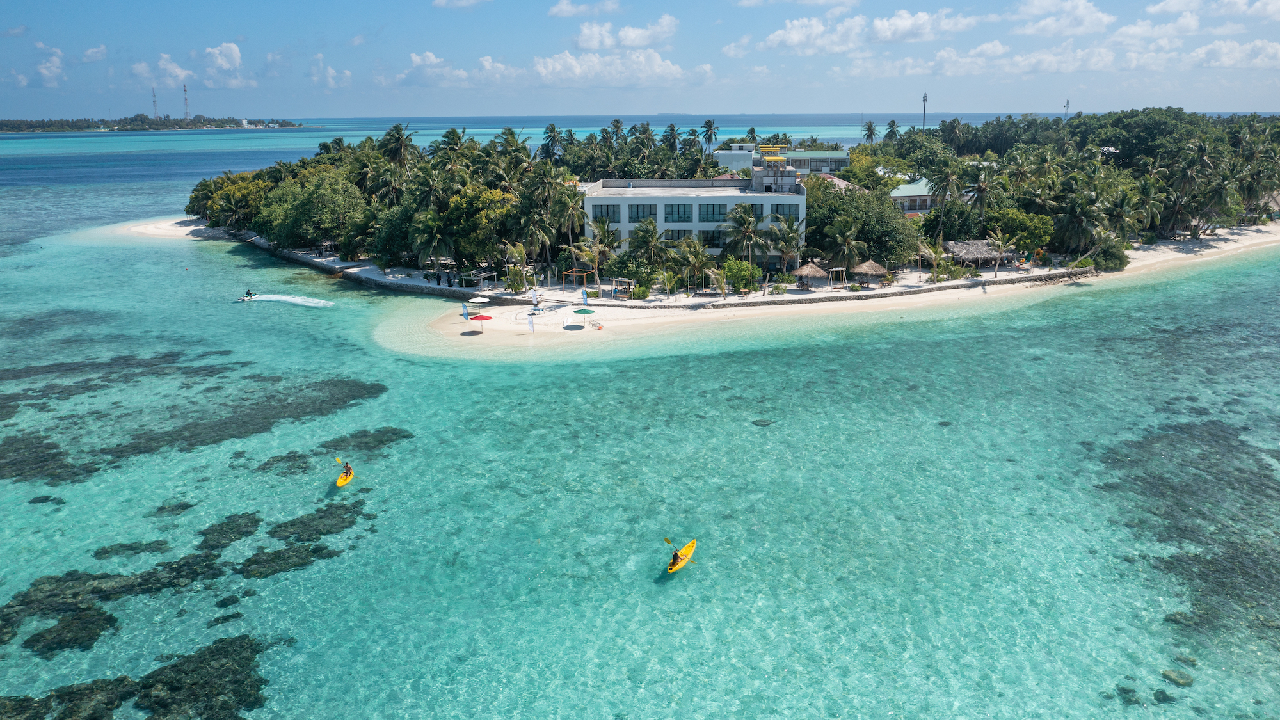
(397, 145)
(694, 258)
(869, 132)
(945, 181)
(786, 232)
(849, 248)
(709, 131)
(891, 133)
(647, 243)
(1000, 245)
(934, 254)
(742, 229)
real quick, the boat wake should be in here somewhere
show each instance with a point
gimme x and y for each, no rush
(293, 300)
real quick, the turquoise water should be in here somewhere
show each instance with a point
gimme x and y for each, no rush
(929, 515)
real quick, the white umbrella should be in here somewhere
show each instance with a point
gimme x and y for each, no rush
(478, 300)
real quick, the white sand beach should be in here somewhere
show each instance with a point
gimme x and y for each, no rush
(421, 328)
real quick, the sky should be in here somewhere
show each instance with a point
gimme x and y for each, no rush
(442, 58)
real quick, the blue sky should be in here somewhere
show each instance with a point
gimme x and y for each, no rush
(501, 57)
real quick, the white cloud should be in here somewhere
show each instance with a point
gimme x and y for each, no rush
(224, 57)
(565, 8)
(223, 68)
(94, 54)
(737, 49)
(357, 41)
(649, 35)
(633, 67)
(17, 32)
(426, 58)
(492, 71)
(1143, 35)
(811, 36)
(595, 36)
(19, 78)
(1257, 55)
(456, 3)
(1061, 59)
(51, 69)
(1269, 9)
(1174, 6)
(172, 74)
(905, 27)
(1065, 17)
(325, 74)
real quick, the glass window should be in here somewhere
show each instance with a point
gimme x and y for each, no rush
(711, 213)
(613, 212)
(640, 213)
(759, 211)
(677, 213)
(712, 238)
(786, 211)
(676, 235)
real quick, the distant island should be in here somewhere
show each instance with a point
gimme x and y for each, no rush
(139, 122)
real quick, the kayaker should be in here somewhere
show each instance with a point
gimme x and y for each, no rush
(675, 558)
(346, 469)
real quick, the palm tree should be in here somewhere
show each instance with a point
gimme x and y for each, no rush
(869, 132)
(397, 146)
(1122, 215)
(646, 242)
(979, 190)
(788, 250)
(944, 181)
(709, 131)
(1000, 244)
(552, 142)
(743, 230)
(1149, 203)
(849, 248)
(786, 233)
(671, 138)
(891, 132)
(693, 255)
(934, 254)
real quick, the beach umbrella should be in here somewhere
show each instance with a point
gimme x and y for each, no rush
(478, 300)
(481, 318)
(584, 311)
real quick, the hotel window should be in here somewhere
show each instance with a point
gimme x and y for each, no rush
(677, 213)
(676, 235)
(786, 211)
(712, 238)
(711, 213)
(759, 212)
(613, 212)
(640, 213)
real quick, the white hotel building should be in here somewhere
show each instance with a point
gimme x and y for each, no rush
(696, 208)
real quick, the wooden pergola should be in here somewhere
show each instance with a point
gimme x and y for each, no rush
(574, 274)
(626, 283)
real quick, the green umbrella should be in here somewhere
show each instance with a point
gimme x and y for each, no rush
(584, 311)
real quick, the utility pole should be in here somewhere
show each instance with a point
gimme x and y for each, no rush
(924, 114)
(155, 109)
(186, 105)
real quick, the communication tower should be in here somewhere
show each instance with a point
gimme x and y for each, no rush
(186, 105)
(155, 109)
(924, 113)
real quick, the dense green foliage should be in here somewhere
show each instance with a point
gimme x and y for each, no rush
(136, 122)
(1084, 187)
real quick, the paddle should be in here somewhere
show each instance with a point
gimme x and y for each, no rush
(668, 541)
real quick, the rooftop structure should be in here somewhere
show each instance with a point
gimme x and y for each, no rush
(914, 199)
(802, 161)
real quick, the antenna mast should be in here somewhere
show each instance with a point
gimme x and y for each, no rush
(186, 105)
(155, 109)
(1066, 110)
(924, 114)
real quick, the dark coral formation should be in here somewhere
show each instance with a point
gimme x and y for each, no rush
(172, 509)
(31, 457)
(248, 419)
(328, 520)
(266, 563)
(291, 463)
(220, 535)
(133, 548)
(367, 441)
(78, 630)
(224, 619)
(1212, 491)
(214, 683)
(56, 596)
(41, 499)
(227, 602)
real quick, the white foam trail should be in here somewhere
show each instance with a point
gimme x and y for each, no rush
(293, 300)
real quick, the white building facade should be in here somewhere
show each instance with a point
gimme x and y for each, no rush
(693, 208)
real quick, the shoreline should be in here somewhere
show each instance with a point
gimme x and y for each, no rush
(434, 331)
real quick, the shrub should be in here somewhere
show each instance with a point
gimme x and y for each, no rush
(1085, 263)
(742, 275)
(593, 293)
(640, 293)
(786, 278)
(1111, 257)
(778, 290)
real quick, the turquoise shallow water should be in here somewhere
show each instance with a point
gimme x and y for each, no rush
(989, 514)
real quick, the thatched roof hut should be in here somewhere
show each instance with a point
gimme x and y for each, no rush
(870, 268)
(975, 252)
(810, 270)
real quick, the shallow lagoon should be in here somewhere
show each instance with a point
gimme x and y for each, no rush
(970, 516)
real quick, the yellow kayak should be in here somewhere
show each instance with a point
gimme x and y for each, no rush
(345, 478)
(686, 552)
